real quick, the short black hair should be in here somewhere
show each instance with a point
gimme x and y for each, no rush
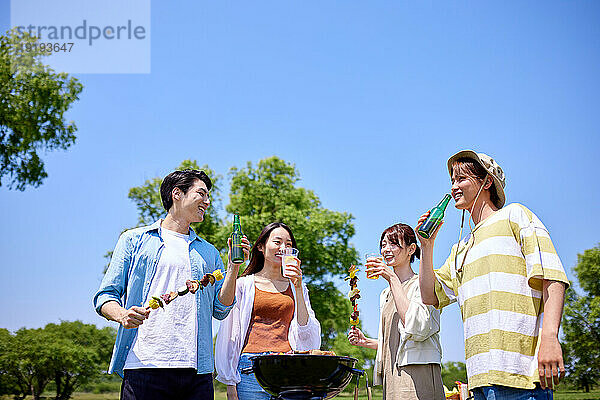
(183, 180)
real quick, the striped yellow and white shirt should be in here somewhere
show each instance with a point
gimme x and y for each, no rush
(499, 291)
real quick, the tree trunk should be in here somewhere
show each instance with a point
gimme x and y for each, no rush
(58, 382)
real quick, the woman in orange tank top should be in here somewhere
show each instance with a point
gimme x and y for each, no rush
(272, 314)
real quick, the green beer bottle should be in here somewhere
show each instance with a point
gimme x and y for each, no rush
(435, 218)
(237, 254)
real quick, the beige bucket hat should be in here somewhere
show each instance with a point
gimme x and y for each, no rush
(489, 165)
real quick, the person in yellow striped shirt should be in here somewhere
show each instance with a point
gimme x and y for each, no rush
(508, 281)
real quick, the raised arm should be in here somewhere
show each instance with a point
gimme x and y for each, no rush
(227, 292)
(426, 274)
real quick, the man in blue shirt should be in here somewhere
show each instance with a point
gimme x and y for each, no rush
(167, 353)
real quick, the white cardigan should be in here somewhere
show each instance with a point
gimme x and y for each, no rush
(232, 331)
(419, 336)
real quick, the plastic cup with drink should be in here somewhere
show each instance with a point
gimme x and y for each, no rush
(372, 256)
(289, 260)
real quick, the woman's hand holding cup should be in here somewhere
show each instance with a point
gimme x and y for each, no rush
(374, 265)
(290, 266)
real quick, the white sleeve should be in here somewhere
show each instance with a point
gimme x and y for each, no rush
(305, 337)
(228, 343)
(420, 321)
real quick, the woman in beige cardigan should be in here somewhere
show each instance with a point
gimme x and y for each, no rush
(408, 345)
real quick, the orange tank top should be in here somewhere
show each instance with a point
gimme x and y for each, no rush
(270, 321)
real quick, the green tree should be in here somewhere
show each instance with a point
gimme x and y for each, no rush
(80, 353)
(581, 323)
(68, 354)
(9, 385)
(453, 371)
(34, 100)
(25, 363)
(268, 193)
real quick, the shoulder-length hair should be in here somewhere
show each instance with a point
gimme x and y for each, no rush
(402, 235)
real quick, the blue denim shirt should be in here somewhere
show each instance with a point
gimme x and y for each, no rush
(127, 281)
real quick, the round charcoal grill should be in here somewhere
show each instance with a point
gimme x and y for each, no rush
(303, 376)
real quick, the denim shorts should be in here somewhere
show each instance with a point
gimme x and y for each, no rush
(497, 392)
(248, 388)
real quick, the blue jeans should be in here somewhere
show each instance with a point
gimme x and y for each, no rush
(248, 388)
(497, 392)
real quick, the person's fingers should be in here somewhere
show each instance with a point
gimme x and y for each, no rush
(140, 310)
(245, 242)
(129, 322)
(246, 249)
(549, 376)
(136, 317)
(542, 373)
(374, 264)
(423, 218)
(546, 376)
(555, 375)
(137, 312)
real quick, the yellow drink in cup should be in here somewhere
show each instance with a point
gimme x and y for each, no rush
(377, 256)
(288, 259)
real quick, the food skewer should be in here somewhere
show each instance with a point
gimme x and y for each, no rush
(191, 286)
(354, 294)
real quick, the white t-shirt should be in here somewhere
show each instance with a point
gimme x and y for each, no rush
(168, 338)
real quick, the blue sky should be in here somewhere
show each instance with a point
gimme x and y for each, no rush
(368, 100)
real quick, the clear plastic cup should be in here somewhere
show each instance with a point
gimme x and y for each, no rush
(372, 255)
(289, 259)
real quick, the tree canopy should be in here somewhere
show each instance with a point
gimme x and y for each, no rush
(33, 101)
(581, 323)
(453, 371)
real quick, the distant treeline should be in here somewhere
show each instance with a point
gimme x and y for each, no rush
(64, 356)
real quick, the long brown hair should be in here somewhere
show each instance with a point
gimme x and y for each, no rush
(257, 258)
